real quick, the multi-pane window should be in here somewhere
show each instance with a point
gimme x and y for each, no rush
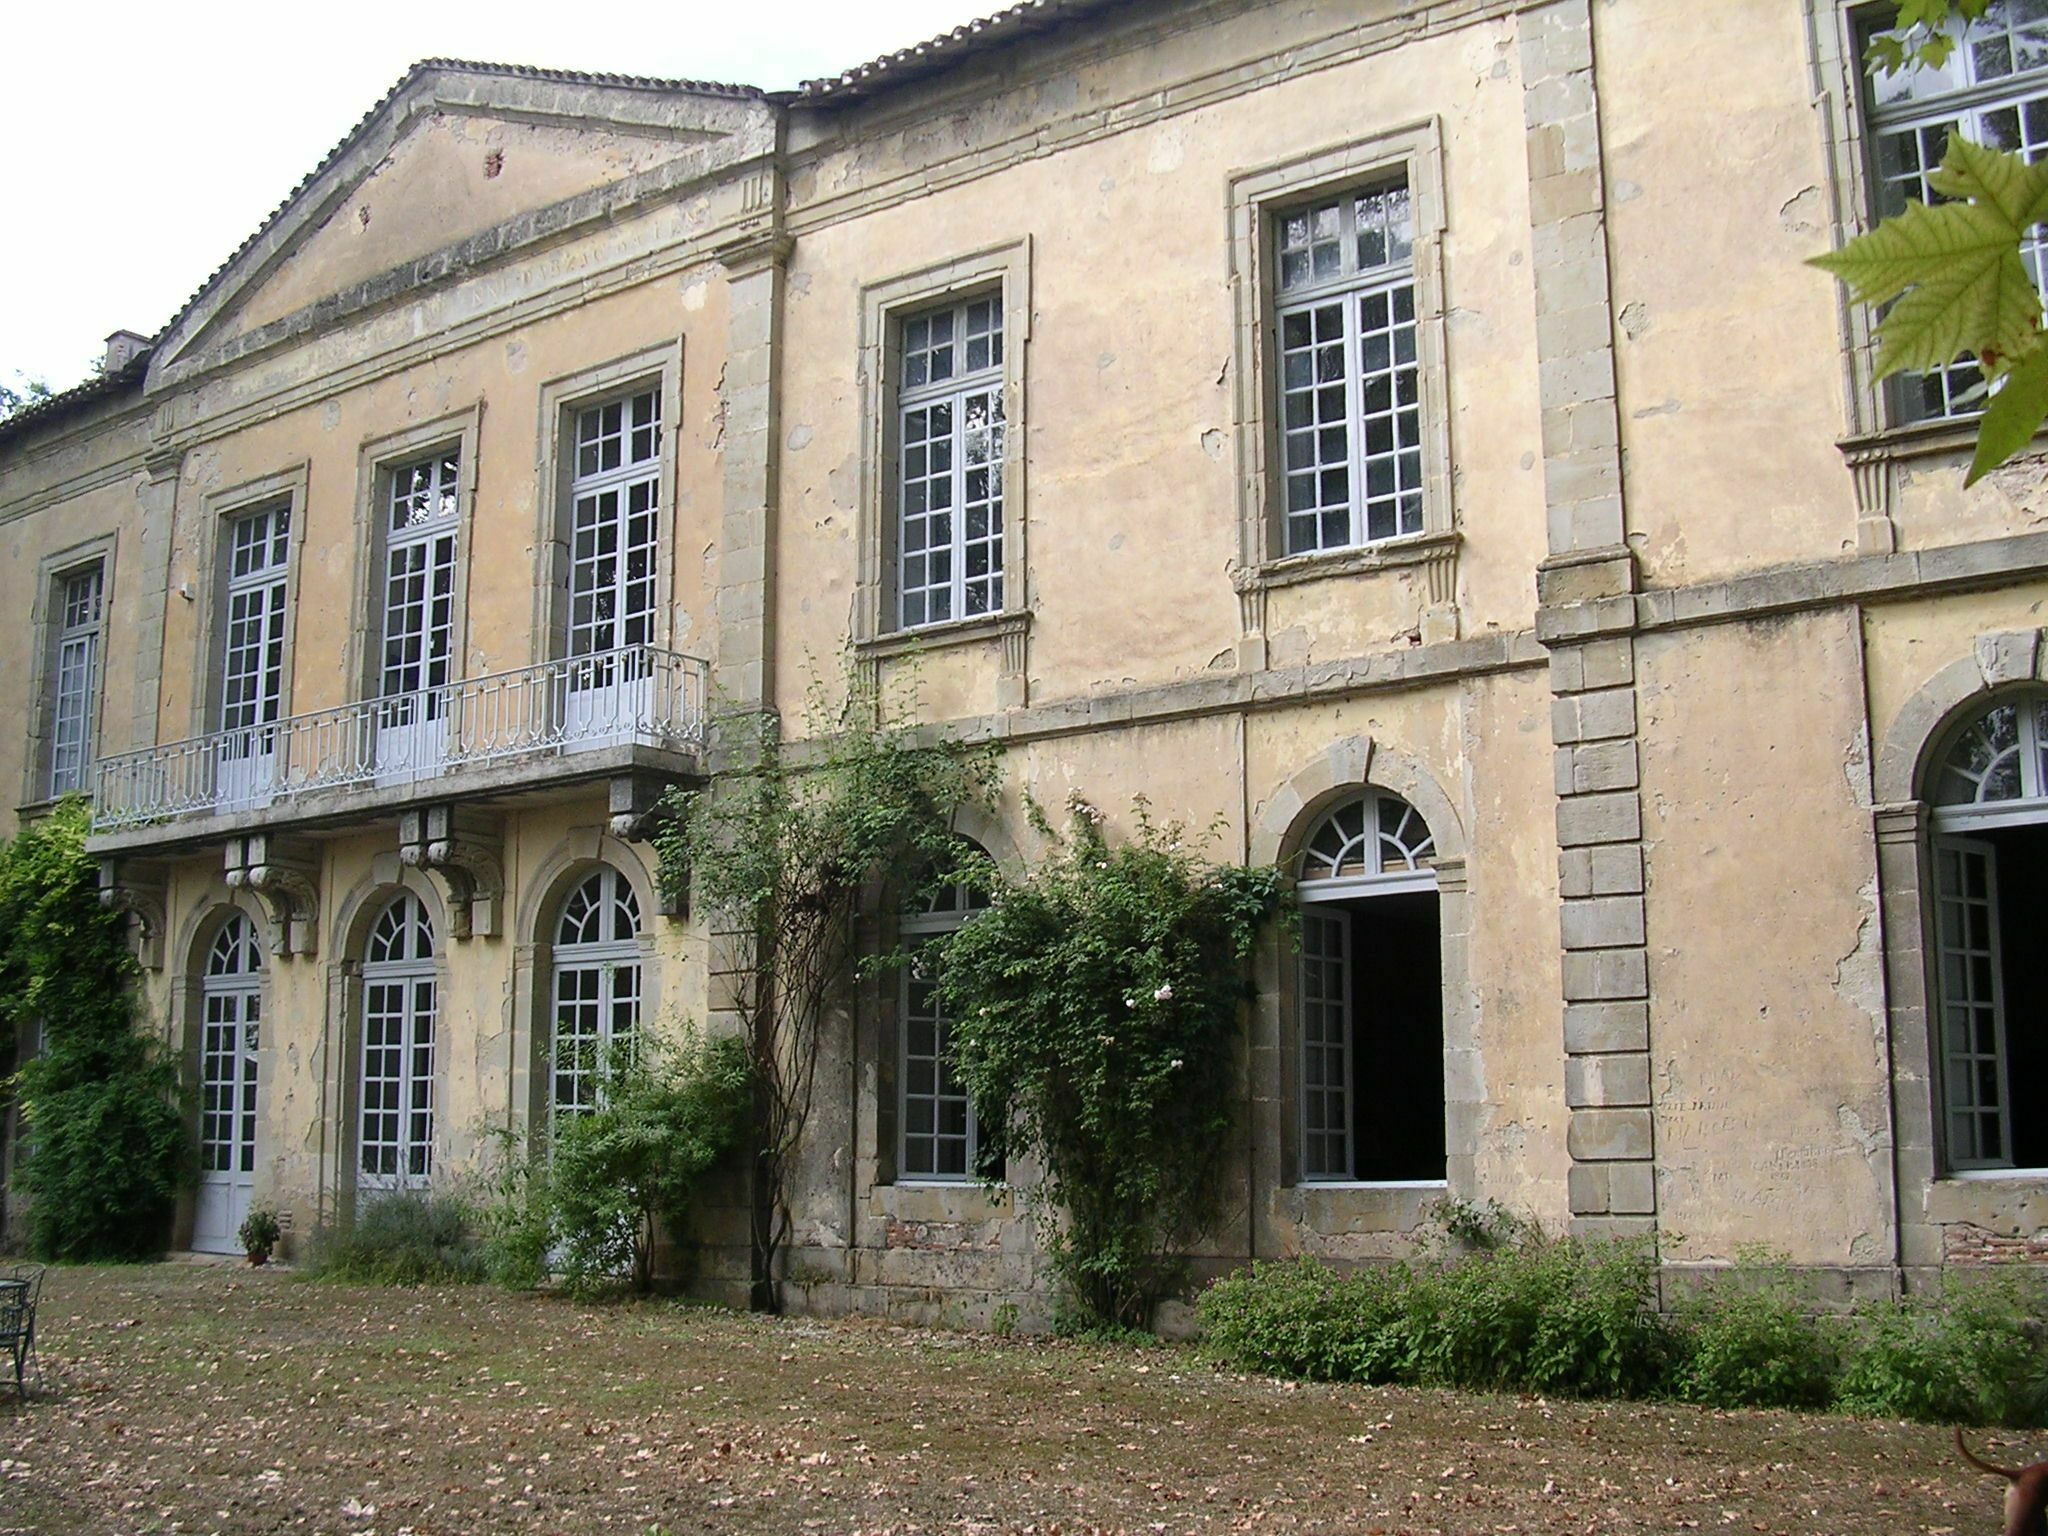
(1350, 384)
(232, 1001)
(419, 576)
(1994, 90)
(940, 1137)
(1989, 850)
(949, 482)
(74, 678)
(400, 1004)
(1368, 998)
(252, 665)
(597, 986)
(614, 523)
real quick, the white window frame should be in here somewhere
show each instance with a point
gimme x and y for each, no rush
(1004, 272)
(1328, 466)
(1260, 201)
(602, 546)
(231, 1015)
(949, 462)
(603, 980)
(950, 908)
(1380, 860)
(562, 403)
(79, 613)
(415, 977)
(1927, 112)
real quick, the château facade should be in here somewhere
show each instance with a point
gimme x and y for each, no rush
(1407, 432)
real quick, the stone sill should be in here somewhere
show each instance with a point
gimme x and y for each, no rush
(931, 637)
(1389, 554)
(1955, 437)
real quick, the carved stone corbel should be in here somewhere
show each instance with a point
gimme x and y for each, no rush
(463, 852)
(285, 874)
(140, 889)
(638, 812)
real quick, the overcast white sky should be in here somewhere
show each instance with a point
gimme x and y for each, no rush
(144, 142)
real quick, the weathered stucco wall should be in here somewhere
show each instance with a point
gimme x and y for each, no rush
(1770, 1075)
(1683, 989)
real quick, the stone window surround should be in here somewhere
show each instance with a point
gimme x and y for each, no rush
(1874, 448)
(1931, 1198)
(44, 621)
(1256, 197)
(884, 305)
(376, 459)
(286, 487)
(1346, 768)
(560, 399)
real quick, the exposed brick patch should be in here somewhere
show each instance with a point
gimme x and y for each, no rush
(1963, 1245)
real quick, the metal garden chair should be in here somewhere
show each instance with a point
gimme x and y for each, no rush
(21, 1287)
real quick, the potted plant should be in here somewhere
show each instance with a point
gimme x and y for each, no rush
(259, 1234)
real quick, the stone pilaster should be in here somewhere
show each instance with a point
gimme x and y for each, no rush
(1586, 614)
(754, 262)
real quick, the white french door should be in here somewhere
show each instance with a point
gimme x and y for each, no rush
(614, 545)
(401, 1001)
(1972, 992)
(1325, 1013)
(231, 1020)
(419, 616)
(252, 656)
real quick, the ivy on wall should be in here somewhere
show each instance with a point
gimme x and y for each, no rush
(105, 1148)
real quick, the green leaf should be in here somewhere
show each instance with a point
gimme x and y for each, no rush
(2014, 415)
(1997, 178)
(1953, 268)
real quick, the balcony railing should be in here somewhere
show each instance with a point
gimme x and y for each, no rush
(635, 696)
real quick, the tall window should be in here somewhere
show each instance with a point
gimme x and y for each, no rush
(1990, 855)
(949, 413)
(597, 986)
(1350, 388)
(940, 1138)
(400, 1005)
(74, 678)
(1369, 997)
(252, 667)
(1993, 89)
(231, 1024)
(614, 533)
(419, 574)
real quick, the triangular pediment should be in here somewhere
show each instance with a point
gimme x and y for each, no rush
(454, 153)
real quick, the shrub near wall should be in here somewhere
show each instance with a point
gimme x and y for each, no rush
(1570, 1318)
(106, 1148)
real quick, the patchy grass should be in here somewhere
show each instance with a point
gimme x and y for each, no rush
(196, 1398)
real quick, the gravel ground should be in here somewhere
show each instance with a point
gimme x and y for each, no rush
(206, 1398)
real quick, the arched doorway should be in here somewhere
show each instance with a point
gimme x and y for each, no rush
(401, 1004)
(231, 1022)
(1369, 997)
(1988, 789)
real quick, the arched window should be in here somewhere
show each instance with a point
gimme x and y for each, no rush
(1990, 853)
(230, 1033)
(1369, 997)
(939, 1138)
(597, 986)
(400, 1004)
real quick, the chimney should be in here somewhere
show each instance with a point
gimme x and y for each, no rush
(122, 349)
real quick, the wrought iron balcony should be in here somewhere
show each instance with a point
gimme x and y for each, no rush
(541, 716)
